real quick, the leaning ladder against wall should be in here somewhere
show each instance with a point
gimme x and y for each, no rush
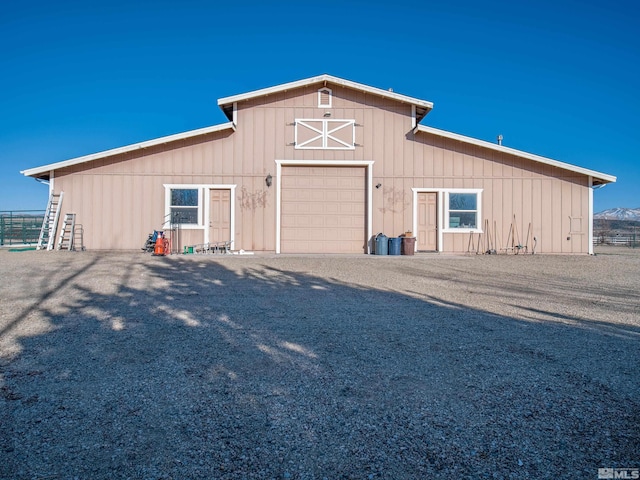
(67, 232)
(50, 222)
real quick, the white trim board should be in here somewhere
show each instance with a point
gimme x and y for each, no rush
(439, 212)
(325, 134)
(324, 163)
(116, 151)
(204, 198)
(519, 153)
(443, 209)
(329, 92)
(320, 79)
(590, 214)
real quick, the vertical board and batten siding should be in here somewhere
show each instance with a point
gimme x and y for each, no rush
(120, 199)
(544, 197)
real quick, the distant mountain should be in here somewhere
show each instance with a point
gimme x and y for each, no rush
(619, 214)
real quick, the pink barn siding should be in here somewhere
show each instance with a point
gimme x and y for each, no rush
(120, 199)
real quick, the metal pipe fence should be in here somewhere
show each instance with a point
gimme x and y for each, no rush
(20, 227)
(632, 240)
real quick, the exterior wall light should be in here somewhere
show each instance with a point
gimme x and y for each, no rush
(268, 180)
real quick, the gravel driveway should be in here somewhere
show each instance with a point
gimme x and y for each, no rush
(124, 365)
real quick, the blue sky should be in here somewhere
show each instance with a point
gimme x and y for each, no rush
(559, 79)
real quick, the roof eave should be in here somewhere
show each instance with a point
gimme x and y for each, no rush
(598, 178)
(223, 103)
(44, 171)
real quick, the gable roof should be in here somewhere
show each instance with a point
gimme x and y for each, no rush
(422, 106)
(43, 172)
(226, 104)
(597, 177)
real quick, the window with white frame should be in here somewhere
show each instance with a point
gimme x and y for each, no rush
(463, 210)
(184, 206)
(324, 98)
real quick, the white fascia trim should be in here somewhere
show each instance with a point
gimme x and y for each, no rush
(325, 78)
(324, 163)
(512, 151)
(128, 148)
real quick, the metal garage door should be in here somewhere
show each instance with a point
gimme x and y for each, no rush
(323, 210)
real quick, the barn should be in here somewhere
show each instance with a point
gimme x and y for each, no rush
(322, 165)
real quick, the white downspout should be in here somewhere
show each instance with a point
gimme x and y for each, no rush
(369, 205)
(278, 193)
(232, 226)
(590, 216)
(441, 198)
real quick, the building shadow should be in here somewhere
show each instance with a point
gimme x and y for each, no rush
(187, 367)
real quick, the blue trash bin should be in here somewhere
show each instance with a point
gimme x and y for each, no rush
(395, 246)
(382, 244)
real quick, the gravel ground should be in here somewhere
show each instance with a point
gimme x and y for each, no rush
(124, 365)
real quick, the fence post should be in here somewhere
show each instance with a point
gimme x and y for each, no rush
(9, 226)
(23, 229)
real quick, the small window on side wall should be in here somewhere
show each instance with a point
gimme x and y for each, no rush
(463, 211)
(184, 206)
(324, 98)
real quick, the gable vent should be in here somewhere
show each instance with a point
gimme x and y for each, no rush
(324, 98)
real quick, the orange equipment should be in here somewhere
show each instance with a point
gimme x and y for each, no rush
(159, 248)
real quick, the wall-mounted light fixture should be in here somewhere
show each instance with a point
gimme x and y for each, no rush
(268, 180)
(378, 185)
(327, 114)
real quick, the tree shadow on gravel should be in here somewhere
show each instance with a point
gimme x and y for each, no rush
(46, 288)
(200, 368)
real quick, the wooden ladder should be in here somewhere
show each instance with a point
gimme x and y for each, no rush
(50, 222)
(65, 241)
